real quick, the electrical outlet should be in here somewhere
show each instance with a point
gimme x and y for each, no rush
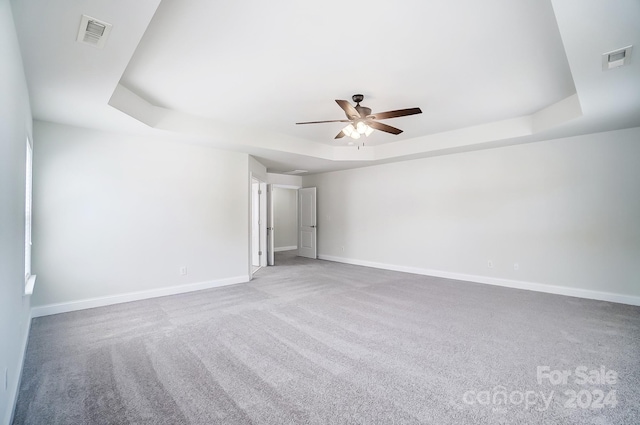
(516, 266)
(490, 264)
(183, 270)
(342, 248)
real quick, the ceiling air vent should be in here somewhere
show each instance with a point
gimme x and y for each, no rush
(294, 172)
(616, 58)
(93, 32)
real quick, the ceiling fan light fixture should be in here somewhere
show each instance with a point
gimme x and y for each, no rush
(348, 130)
(355, 131)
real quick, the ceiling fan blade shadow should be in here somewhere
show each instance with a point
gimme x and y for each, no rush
(320, 122)
(384, 127)
(396, 114)
(351, 112)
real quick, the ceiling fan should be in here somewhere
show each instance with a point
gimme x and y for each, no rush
(362, 121)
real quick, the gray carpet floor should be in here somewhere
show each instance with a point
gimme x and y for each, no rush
(316, 342)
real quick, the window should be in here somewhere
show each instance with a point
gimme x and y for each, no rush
(29, 279)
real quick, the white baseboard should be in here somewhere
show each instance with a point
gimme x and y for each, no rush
(285, 248)
(508, 283)
(50, 309)
(13, 395)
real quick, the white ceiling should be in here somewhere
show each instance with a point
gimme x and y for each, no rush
(238, 75)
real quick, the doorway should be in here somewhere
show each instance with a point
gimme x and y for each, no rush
(283, 224)
(276, 222)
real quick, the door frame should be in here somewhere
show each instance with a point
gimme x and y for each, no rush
(262, 227)
(270, 220)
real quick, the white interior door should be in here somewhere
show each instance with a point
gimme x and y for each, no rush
(255, 223)
(270, 234)
(307, 222)
(263, 224)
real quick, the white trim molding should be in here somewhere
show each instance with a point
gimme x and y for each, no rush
(13, 391)
(49, 309)
(507, 283)
(29, 285)
(285, 248)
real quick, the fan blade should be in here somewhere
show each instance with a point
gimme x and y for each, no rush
(340, 135)
(320, 122)
(396, 114)
(349, 109)
(384, 127)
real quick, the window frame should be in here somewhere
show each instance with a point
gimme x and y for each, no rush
(29, 279)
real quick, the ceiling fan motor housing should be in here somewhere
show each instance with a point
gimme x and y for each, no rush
(363, 111)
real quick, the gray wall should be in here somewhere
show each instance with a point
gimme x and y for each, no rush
(120, 214)
(285, 215)
(15, 126)
(566, 211)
